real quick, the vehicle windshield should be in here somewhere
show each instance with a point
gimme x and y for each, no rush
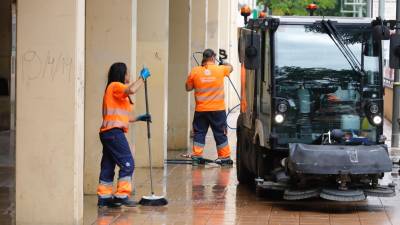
(323, 91)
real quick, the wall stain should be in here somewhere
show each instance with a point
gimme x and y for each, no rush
(157, 55)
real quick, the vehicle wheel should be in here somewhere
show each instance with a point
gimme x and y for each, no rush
(243, 175)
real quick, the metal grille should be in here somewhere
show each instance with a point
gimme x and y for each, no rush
(354, 8)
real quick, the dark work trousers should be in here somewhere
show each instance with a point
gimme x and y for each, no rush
(116, 151)
(217, 120)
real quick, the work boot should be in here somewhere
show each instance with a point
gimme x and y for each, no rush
(199, 159)
(126, 202)
(107, 202)
(224, 161)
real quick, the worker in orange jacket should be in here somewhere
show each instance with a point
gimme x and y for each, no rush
(117, 108)
(207, 81)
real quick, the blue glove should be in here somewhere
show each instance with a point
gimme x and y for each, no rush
(144, 117)
(144, 73)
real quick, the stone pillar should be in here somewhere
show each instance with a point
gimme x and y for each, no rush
(152, 51)
(198, 39)
(224, 18)
(233, 51)
(228, 40)
(50, 112)
(179, 56)
(110, 38)
(198, 28)
(213, 24)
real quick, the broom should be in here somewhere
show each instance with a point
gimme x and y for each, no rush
(150, 200)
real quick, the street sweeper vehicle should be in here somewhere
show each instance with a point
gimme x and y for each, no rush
(311, 121)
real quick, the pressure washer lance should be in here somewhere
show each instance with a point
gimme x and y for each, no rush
(151, 200)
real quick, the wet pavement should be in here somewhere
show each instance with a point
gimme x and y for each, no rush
(211, 195)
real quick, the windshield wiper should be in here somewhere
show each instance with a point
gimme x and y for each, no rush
(343, 47)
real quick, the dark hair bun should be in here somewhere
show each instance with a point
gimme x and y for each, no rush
(208, 53)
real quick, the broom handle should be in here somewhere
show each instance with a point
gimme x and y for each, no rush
(148, 136)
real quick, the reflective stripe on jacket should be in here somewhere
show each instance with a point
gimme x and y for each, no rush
(116, 107)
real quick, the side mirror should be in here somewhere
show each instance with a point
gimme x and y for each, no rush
(394, 61)
(252, 56)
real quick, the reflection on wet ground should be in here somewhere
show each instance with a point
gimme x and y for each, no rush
(211, 195)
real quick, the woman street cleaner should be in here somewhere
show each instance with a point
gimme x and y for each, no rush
(117, 114)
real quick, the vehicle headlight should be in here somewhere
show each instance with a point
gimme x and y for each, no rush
(282, 107)
(279, 118)
(377, 120)
(373, 108)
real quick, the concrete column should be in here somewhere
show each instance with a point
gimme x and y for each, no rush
(50, 112)
(178, 69)
(152, 51)
(213, 24)
(198, 28)
(110, 38)
(198, 39)
(228, 40)
(224, 18)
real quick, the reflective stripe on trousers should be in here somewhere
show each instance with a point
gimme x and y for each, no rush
(124, 188)
(105, 189)
(224, 150)
(198, 149)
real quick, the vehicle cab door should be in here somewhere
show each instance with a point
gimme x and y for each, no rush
(264, 108)
(250, 56)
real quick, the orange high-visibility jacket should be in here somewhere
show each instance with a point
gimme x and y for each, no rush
(116, 107)
(208, 84)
